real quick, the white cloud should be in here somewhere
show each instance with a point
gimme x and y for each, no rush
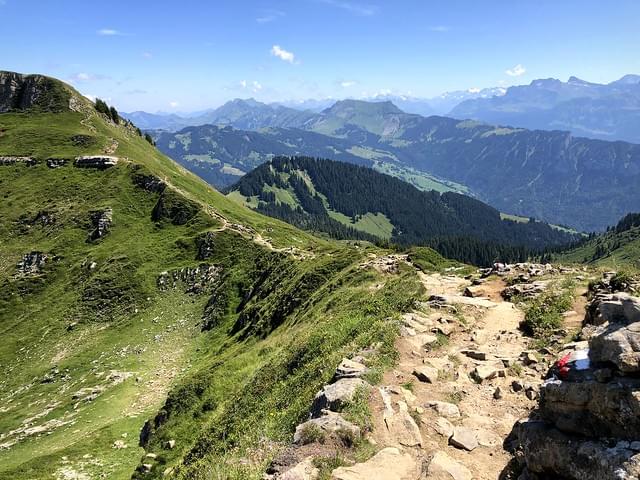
(254, 86)
(83, 77)
(282, 54)
(109, 32)
(516, 71)
(174, 104)
(270, 16)
(360, 9)
(348, 83)
(148, 55)
(440, 28)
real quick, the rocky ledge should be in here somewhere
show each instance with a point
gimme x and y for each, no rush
(587, 425)
(100, 162)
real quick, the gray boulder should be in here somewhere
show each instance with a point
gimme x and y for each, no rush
(617, 344)
(329, 424)
(618, 307)
(592, 408)
(333, 397)
(547, 451)
(350, 369)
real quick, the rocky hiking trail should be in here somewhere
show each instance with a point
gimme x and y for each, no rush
(465, 376)
(460, 392)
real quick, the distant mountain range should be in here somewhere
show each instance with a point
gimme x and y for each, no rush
(249, 114)
(608, 112)
(550, 175)
(601, 111)
(350, 201)
(440, 105)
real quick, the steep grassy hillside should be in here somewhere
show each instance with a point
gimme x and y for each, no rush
(137, 292)
(618, 248)
(349, 201)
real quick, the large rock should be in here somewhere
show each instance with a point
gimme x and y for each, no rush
(426, 374)
(444, 409)
(305, 470)
(100, 162)
(613, 308)
(524, 290)
(443, 467)
(547, 451)
(588, 425)
(617, 344)
(333, 397)
(329, 424)
(464, 438)
(350, 369)
(388, 464)
(402, 427)
(592, 408)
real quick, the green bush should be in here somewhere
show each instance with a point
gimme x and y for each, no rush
(543, 315)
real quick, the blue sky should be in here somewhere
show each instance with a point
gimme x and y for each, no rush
(190, 55)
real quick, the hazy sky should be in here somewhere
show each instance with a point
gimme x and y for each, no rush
(190, 55)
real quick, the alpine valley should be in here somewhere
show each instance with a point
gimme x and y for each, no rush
(551, 175)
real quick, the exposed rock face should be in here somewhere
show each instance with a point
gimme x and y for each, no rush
(589, 412)
(195, 279)
(614, 307)
(592, 408)
(150, 183)
(56, 162)
(32, 263)
(24, 92)
(100, 162)
(334, 396)
(205, 244)
(28, 161)
(101, 222)
(552, 454)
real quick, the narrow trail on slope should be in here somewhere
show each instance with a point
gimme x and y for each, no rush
(459, 389)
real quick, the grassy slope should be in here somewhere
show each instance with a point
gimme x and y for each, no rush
(617, 251)
(308, 312)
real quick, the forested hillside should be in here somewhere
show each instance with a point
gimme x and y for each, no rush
(337, 198)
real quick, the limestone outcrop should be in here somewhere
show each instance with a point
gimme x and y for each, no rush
(101, 222)
(100, 162)
(20, 92)
(587, 425)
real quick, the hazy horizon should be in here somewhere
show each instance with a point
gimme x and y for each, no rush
(196, 55)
